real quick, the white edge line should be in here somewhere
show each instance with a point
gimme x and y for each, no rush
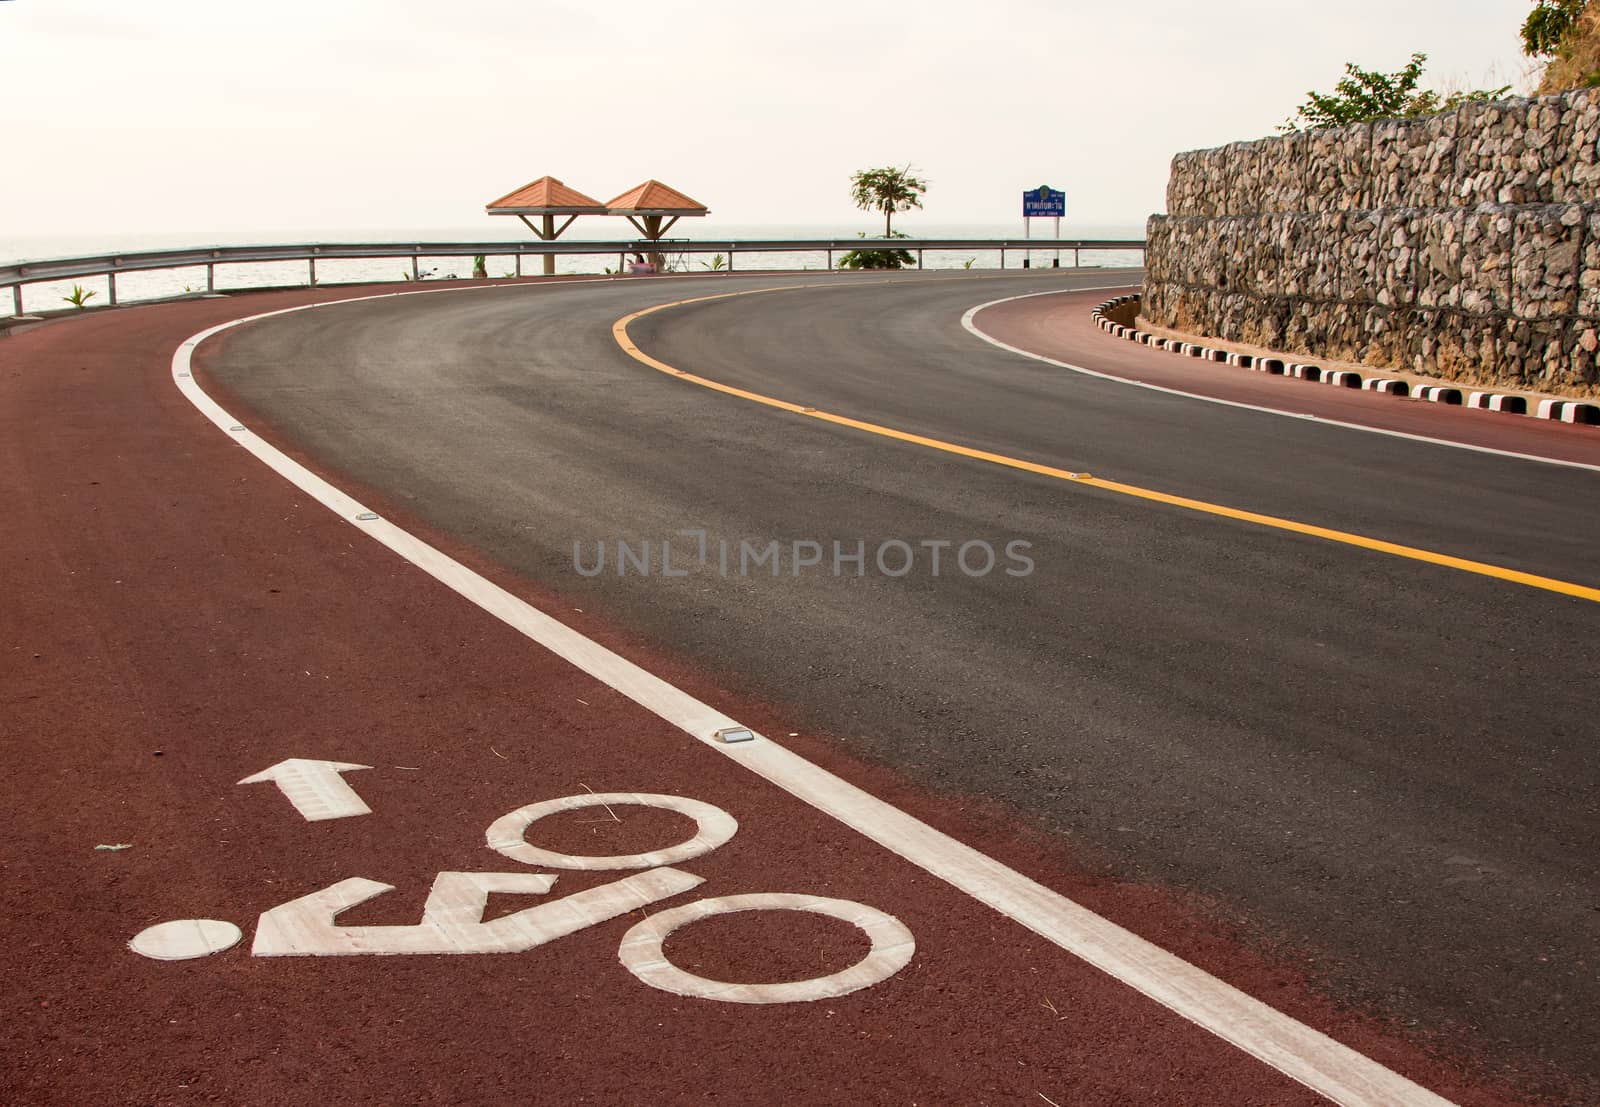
(1308, 1056)
(967, 321)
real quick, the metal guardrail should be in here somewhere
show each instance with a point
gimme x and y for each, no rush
(18, 274)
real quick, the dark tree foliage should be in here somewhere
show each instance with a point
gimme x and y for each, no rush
(1547, 25)
(877, 259)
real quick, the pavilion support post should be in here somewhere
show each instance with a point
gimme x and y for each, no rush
(653, 231)
(549, 231)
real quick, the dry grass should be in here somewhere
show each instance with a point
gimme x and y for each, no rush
(1578, 63)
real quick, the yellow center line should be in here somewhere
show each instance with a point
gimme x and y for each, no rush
(619, 331)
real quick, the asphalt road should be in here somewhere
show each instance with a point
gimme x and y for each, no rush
(177, 620)
(1391, 766)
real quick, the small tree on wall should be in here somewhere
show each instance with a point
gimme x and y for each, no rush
(1363, 95)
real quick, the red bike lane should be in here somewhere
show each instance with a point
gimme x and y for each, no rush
(179, 618)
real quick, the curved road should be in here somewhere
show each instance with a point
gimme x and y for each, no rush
(1388, 765)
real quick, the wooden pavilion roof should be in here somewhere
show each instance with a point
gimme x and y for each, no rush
(654, 198)
(546, 196)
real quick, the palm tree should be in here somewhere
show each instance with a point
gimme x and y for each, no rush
(887, 190)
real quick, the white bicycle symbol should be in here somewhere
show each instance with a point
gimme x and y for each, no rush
(452, 919)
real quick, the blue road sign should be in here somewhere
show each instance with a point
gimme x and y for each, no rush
(1043, 201)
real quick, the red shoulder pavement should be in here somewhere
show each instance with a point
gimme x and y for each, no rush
(1061, 326)
(178, 618)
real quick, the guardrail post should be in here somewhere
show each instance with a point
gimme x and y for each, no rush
(731, 252)
(1076, 264)
(211, 277)
(111, 280)
(16, 299)
(519, 265)
(312, 265)
(416, 267)
(919, 259)
(830, 261)
(1002, 257)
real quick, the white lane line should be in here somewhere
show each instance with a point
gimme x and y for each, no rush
(1294, 1049)
(968, 322)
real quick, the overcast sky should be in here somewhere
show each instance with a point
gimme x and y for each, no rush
(216, 115)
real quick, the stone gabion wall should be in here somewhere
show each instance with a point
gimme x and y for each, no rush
(1464, 245)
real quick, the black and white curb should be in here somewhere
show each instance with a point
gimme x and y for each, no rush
(1498, 401)
(1564, 411)
(1387, 386)
(1570, 411)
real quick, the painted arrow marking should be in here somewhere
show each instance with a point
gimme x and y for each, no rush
(315, 787)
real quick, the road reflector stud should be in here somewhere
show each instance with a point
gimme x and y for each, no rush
(735, 734)
(367, 516)
(236, 428)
